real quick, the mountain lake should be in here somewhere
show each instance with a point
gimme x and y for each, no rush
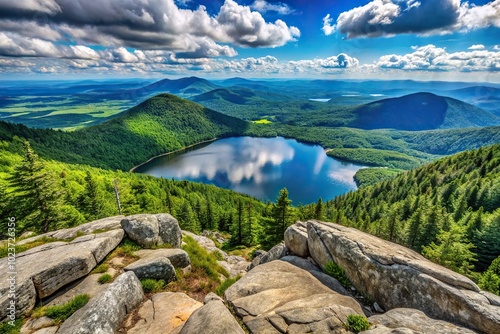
(259, 167)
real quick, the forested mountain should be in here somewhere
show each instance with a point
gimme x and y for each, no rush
(183, 86)
(158, 125)
(449, 209)
(420, 111)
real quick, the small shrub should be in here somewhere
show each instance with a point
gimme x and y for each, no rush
(151, 285)
(334, 270)
(9, 328)
(63, 312)
(357, 323)
(225, 285)
(105, 278)
(201, 258)
(100, 269)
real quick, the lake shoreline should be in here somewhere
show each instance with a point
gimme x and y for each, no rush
(132, 170)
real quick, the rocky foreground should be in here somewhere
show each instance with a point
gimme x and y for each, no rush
(282, 291)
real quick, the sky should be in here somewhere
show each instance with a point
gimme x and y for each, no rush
(450, 40)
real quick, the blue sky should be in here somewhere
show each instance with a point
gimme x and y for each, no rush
(385, 39)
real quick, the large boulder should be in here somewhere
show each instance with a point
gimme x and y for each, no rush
(275, 253)
(396, 277)
(165, 313)
(213, 318)
(104, 313)
(414, 320)
(151, 230)
(153, 267)
(178, 257)
(43, 270)
(280, 295)
(296, 239)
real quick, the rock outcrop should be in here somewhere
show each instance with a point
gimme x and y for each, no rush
(397, 277)
(104, 313)
(153, 267)
(413, 320)
(151, 230)
(278, 297)
(165, 313)
(296, 239)
(43, 270)
(214, 318)
(176, 256)
(105, 224)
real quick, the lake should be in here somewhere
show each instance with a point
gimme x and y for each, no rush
(260, 167)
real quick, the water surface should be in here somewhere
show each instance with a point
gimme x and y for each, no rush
(260, 167)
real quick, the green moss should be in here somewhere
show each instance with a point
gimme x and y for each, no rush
(357, 323)
(4, 249)
(201, 258)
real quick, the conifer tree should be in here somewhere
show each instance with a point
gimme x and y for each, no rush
(37, 196)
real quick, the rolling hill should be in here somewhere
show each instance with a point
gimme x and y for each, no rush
(420, 111)
(158, 125)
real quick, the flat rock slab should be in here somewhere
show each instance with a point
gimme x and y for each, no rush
(164, 313)
(396, 277)
(417, 321)
(178, 257)
(105, 224)
(43, 270)
(280, 295)
(105, 312)
(214, 318)
(151, 230)
(88, 286)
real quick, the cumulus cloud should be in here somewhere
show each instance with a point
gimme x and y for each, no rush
(476, 47)
(144, 24)
(423, 17)
(432, 58)
(496, 47)
(264, 6)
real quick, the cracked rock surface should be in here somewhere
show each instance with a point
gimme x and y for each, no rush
(397, 277)
(43, 270)
(278, 297)
(164, 313)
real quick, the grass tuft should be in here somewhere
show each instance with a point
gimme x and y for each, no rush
(105, 278)
(64, 311)
(334, 270)
(225, 285)
(150, 285)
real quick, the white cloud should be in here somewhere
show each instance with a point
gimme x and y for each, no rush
(432, 58)
(392, 17)
(476, 47)
(146, 25)
(264, 6)
(328, 28)
(496, 47)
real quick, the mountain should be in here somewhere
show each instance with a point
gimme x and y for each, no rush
(161, 124)
(485, 97)
(420, 111)
(184, 86)
(239, 95)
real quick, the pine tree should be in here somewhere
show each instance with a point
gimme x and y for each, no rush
(281, 213)
(37, 195)
(90, 199)
(318, 210)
